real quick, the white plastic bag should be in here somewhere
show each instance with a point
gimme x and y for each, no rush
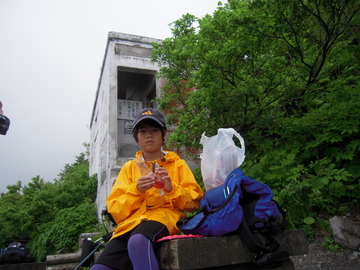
(220, 156)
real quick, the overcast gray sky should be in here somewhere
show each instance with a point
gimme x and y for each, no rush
(51, 53)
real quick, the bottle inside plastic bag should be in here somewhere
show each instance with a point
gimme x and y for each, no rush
(220, 156)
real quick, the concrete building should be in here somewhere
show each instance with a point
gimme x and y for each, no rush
(127, 84)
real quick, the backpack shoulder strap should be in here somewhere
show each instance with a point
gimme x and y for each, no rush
(253, 241)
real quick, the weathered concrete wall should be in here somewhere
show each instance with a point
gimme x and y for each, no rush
(110, 146)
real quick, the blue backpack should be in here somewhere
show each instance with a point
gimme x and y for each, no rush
(244, 206)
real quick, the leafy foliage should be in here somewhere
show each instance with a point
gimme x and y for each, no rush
(285, 74)
(63, 232)
(50, 216)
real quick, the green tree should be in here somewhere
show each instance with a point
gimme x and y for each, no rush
(50, 216)
(13, 215)
(285, 74)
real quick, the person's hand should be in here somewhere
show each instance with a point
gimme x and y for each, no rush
(164, 176)
(145, 182)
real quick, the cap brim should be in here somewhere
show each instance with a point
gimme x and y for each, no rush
(147, 117)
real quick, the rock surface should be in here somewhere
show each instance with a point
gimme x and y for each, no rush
(346, 232)
(320, 258)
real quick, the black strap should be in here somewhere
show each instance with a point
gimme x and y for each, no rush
(228, 199)
(272, 232)
(208, 212)
(253, 241)
(106, 213)
(282, 222)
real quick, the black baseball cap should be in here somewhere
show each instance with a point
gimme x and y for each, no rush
(149, 113)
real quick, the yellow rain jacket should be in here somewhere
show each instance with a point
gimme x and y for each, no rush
(129, 207)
